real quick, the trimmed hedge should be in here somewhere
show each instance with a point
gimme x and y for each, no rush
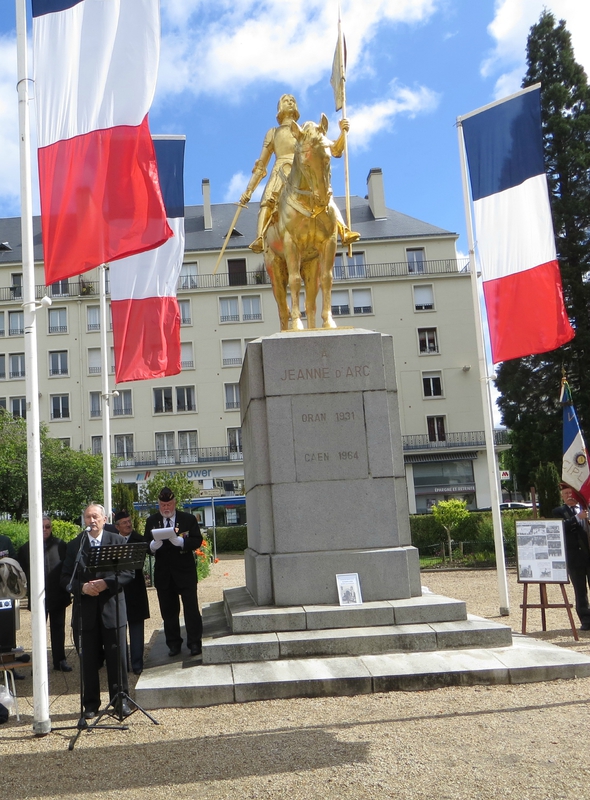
(229, 539)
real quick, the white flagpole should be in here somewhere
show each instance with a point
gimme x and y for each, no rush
(41, 719)
(485, 392)
(106, 396)
(340, 46)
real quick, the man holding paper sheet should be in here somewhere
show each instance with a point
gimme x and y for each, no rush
(173, 536)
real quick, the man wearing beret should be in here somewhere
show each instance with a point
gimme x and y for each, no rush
(175, 572)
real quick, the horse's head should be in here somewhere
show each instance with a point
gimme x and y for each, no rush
(312, 158)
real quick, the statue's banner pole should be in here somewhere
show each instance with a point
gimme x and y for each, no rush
(338, 81)
(229, 233)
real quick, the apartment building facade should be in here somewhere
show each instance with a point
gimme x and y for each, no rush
(403, 279)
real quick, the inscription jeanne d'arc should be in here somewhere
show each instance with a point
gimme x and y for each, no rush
(326, 373)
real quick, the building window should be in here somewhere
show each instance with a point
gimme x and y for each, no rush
(165, 448)
(188, 278)
(124, 449)
(251, 310)
(59, 406)
(232, 396)
(436, 429)
(2, 366)
(188, 450)
(415, 259)
(361, 301)
(432, 384)
(185, 398)
(428, 340)
(95, 404)
(60, 289)
(16, 290)
(236, 270)
(65, 441)
(184, 307)
(58, 320)
(58, 362)
(16, 323)
(2, 328)
(92, 318)
(112, 366)
(423, 297)
(346, 266)
(3, 403)
(94, 361)
(228, 309)
(122, 405)
(187, 360)
(17, 365)
(231, 352)
(163, 400)
(18, 407)
(340, 304)
(234, 441)
(96, 445)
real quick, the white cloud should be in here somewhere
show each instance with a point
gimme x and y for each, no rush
(368, 120)
(237, 184)
(510, 28)
(238, 42)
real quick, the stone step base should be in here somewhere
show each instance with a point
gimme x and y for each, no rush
(184, 684)
(223, 647)
(244, 616)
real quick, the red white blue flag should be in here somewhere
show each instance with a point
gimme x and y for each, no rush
(575, 470)
(95, 65)
(513, 227)
(145, 313)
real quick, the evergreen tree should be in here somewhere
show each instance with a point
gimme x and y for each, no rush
(529, 387)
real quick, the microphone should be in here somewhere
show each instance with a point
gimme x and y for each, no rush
(87, 529)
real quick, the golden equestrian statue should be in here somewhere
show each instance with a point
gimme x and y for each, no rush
(298, 220)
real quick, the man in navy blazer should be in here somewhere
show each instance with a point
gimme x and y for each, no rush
(175, 572)
(95, 611)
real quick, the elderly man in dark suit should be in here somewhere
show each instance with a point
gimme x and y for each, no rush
(577, 550)
(95, 611)
(136, 599)
(175, 573)
(56, 598)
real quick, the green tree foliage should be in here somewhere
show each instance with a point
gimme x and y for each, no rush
(182, 487)
(123, 497)
(70, 478)
(449, 513)
(547, 485)
(529, 387)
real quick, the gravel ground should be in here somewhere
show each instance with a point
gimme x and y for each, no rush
(479, 742)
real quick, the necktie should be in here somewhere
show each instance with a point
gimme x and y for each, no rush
(168, 522)
(94, 543)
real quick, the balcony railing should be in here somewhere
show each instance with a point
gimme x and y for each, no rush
(196, 455)
(466, 439)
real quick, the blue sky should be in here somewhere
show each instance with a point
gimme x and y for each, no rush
(413, 67)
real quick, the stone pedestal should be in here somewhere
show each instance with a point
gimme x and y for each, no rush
(323, 468)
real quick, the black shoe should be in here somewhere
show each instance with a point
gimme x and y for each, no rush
(18, 676)
(63, 666)
(90, 713)
(137, 671)
(585, 626)
(122, 709)
(196, 649)
(174, 651)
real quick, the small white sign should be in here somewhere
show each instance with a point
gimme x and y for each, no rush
(349, 589)
(504, 474)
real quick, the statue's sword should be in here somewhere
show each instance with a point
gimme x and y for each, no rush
(239, 209)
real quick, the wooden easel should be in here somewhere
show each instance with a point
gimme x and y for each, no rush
(544, 604)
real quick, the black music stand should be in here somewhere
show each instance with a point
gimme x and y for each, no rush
(118, 558)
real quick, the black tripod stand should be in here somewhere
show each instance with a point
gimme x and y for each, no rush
(119, 558)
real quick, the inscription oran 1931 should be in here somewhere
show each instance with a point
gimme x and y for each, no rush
(321, 416)
(325, 373)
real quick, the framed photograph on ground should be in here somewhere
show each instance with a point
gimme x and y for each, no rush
(540, 551)
(349, 589)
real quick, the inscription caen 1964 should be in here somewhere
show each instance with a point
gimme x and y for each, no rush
(341, 455)
(325, 373)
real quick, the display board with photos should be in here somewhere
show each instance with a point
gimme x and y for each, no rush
(540, 550)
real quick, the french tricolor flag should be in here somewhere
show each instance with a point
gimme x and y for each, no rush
(514, 229)
(95, 65)
(575, 470)
(146, 317)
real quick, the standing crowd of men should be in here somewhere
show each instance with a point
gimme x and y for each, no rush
(107, 604)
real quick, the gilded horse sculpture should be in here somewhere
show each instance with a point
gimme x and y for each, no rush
(300, 241)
